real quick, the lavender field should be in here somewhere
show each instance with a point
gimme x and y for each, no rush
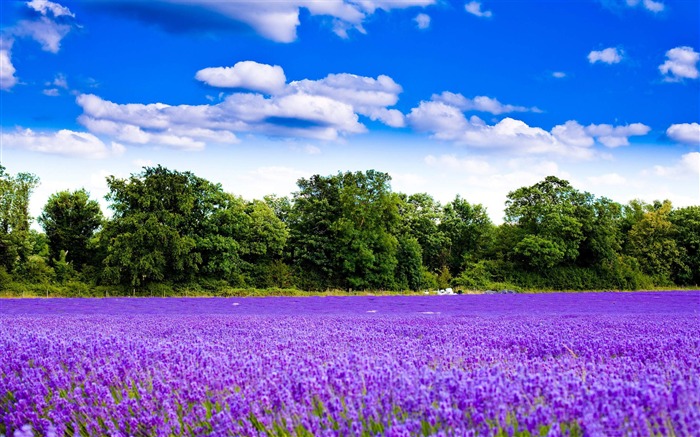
(599, 364)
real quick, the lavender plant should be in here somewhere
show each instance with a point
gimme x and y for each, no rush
(515, 365)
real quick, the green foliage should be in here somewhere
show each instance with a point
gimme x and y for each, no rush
(652, 241)
(468, 231)
(35, 270)
(420, 218)
(160, 216)
(15, 243)
(173, 233)
(409, 273)
(552, 216)
(342, 230)
(686, 233)
(70, 219)
(63, 270)
(475, 276)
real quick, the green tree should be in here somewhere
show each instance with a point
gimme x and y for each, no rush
(551, 217)
(603, 238)
(420, 216)
(159, 217)
(652, 241)
(70, 220)
(409, 267)
(469, 233)
(342, 229)
(686, 222)
(15, 243)
(262, 243)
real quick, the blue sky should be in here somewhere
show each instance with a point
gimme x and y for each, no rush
(470, 98)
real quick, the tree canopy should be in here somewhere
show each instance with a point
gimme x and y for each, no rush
(346, 231)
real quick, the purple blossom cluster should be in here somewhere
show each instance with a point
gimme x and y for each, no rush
(605, 364)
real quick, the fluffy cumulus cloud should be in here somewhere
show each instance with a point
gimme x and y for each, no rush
(7, 70)
(479, 103)
(422, 21)
(474, 8)
(63, 142)
(681, 63)
(250, 75)
(446, 121)
(688, 133)
(367, 96)
(324, 109)
(275, 20)
(611, 55)
(616, 136)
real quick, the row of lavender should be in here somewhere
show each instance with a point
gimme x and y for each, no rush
(623, 364)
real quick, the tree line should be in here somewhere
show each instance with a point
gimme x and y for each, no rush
(175, 232)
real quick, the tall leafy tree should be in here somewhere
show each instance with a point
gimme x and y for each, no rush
(468, 230)
(420, 219)
(159, 216)
(686, 222)
(15, 192)
(551, 217)
(342, 229)
(652, 241)
(603, 239)
(70, 219)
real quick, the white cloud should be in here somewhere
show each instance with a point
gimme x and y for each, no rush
(689, 164)
(447, 122)
(51, 92)
(59, 81)
(368, 96)
(608, 179)
(573, 134)
(181, 127)
(474, 8)
(681, 63)
(7, 70)
(650, 5)
(616, 136)
(688, 133)
(559, 74)
(45, 31)
(422, 21)
(611, 55)
(479, 103)
(63, 142)
(324, 109)
(250, 75)
(44, 7)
